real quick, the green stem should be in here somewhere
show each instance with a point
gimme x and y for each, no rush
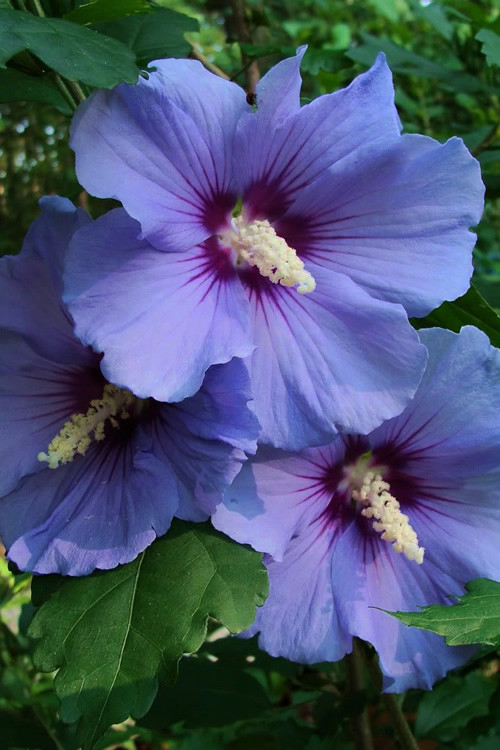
(360, 724)
(38, 8)
(398, 720)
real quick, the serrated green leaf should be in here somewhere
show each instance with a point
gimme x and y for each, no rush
(77, 53)
(20, 87)
(475, 619)
(471, 309)
(99, 11)
(152, 35)
(490, 46)
(114, 633)
(443, 712)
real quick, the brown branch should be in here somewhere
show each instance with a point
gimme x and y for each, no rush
(242, 33)
(360, 724)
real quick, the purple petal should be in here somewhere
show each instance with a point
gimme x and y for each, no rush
(37, 397)
(449, 431)
(98, 511)
(369, 576)
(38, 268)
(335, 360)
(298, 620)
(203, 438)
(164, 149)
(277, 156)
(161, 318)
(395, 218)
(275, 496)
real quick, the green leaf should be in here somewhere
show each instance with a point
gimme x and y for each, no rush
(106, 10)
(475, 619)
(20, 87)
(153, 35)
(452, 704)
(406, 62)
(79, 54)
(490, 46)
(322, 59)
(114, 633)
(471, 309)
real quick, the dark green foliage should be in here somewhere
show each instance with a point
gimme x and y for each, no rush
(77, 53)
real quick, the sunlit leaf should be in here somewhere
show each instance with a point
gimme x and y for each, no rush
(474, 619)
(113, 634)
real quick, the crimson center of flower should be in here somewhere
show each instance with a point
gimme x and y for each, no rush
(77, 434)
(373, 493)
(257, 244)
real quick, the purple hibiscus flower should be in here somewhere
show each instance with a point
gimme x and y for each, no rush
(400, 518)
(90, 474)
(345, 227)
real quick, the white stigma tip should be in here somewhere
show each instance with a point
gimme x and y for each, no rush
(76, 434)
(258, 245)
(380, 505)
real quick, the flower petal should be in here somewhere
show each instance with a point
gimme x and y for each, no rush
(336, 359)
(164, 149)
(395, 219)
(277, 156)
(369, 576)
(298, 620)
(98, 511)
(450, 432)
(203, 438)
(275, 496)
(38, 268)
(37, 396)
(161, 319)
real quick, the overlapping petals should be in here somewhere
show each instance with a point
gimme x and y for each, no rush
(299, 508)
(380, 220)
(152, 461)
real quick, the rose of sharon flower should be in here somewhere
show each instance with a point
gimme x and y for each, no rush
(89, 473)
(343, 223)
(398, 519)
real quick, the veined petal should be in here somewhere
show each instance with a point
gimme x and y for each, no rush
(161, 318)
(275, 496)
(336, 360)
(163, 148)
(98, 511)
(203, 438)
(369, 576)
(449, 432)
(298, 620)
(395, 218)
(37, 396)
(38, 269)
(276, 160)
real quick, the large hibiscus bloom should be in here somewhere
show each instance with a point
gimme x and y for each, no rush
(398, 519)
(345, 227)
(89, 474)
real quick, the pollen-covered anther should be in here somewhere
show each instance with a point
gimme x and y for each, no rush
(257, 244)
(385, 509)
(78, 433)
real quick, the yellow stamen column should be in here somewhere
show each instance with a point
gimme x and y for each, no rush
(385, 509)
(257, 244)
(76, 434)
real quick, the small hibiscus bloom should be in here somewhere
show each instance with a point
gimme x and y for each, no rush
(395, 520)
(345, 227)
(90, 474)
